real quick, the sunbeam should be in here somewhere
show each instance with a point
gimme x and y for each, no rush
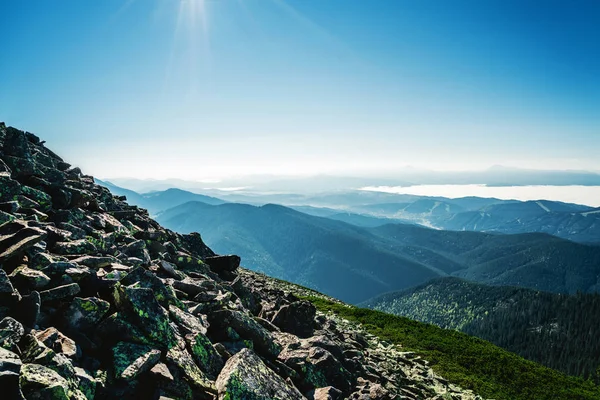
(191, 44)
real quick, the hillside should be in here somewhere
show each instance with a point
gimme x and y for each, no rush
(315, 252)
(98, 301)
(532, 260)
(559, 331)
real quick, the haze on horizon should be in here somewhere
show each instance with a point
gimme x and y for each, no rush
(205, 89)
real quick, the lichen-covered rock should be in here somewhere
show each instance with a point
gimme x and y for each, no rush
(183, 362)
(204, 354)
(30, 278)
(36, 352)
(11, 332)
(94, 262)
(85, 313)
(60, 292)
(143, 278)
(87, 383)
(141, 305)
(41, 383)
(247, 328)
(131, 360)
(246, 377)
(188, 323)
(81, 246)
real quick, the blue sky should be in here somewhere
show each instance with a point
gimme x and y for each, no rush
(205, 89)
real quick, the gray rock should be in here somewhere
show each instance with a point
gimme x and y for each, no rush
(182, 361)
(58, 342)
(42, 383)
(16, 237)
(204, 354)
(142, 308)
(188, 323)
(227, 263)
(60, 292)
(326, 393)
(245, 376)
(131, 360)
(247, 328)
(10, 369)
(28, 309)
(29, 278)
(297, 318)
(11, 332)
(85, 313)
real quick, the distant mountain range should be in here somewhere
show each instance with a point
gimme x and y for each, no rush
(494, 176)
(559, 331)
(375, 256)
(569, 221)
(159, 201)
(355, 263)
(369, 209)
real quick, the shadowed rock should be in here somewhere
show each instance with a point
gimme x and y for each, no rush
(297, 318)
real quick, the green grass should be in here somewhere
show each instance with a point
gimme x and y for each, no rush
(467, 361)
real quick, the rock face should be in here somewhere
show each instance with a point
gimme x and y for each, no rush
(98, 301)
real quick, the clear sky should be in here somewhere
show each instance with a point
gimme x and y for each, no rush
(202, 89)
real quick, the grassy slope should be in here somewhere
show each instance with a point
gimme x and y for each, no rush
(556, 330)
(468, 361)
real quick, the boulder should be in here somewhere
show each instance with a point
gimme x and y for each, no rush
(297, 318)
(143, 278)
(182, 361)
(60, 292)
(16, 237)
(58, 342)
(131, 360)
(41, 383)
(87, 383)
(204, 354)
(10, 369)
(81, 246)
(326, 393)
(245, 376)
(188, 323)
(29, 278)
(219, 264)
(28, 309)
(141, 306)
(11, 332)
(247, 328)
(34, 351)
(85, 313)
(317, 367)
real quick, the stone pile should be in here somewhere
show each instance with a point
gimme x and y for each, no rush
(97, 301)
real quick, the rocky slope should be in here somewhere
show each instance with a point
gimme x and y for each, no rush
(97, 301)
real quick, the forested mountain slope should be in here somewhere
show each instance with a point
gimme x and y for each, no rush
(557, 330)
